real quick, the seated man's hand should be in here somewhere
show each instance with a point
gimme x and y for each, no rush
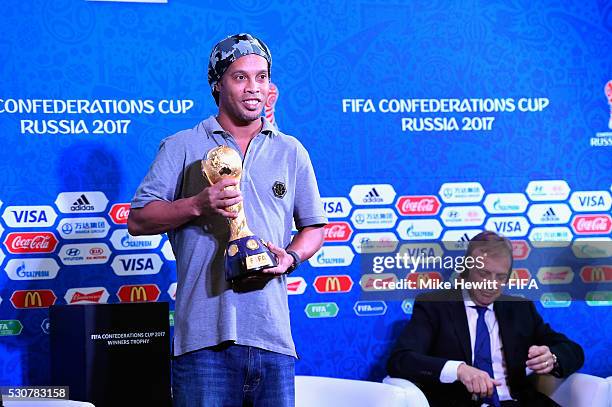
(476, 381)
(541, 359)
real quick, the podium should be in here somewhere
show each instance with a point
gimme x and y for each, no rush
(112, 354)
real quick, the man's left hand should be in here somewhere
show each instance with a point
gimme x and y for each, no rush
(259, 280)
(540, 359)
(284, 260)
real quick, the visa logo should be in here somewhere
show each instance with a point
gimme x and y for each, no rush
(336, 207)
(30, 216)
(331, 207)
(426, 252)
(137, 264)
(591, 201)
(507, 227)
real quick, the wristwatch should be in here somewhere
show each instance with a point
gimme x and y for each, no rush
(296, 261)
(555, 362)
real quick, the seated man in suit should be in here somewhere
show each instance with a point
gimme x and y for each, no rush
(476, 347)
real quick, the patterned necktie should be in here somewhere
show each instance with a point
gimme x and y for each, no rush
(482, 352)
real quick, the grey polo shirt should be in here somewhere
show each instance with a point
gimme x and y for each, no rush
(208, 311)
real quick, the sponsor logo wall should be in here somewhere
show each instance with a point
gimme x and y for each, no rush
(529, 160)
(33, 255)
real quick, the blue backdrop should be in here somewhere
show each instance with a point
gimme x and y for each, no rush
(392, 99)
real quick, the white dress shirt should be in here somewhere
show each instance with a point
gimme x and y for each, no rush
(449, 371)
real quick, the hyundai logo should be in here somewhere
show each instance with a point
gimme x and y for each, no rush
(72, 252)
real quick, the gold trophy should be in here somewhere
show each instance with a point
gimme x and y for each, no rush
(246, 253)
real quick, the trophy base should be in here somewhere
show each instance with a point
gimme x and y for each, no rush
(247, 256)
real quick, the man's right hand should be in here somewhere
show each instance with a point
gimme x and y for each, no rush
(215, 199)
(477, 381)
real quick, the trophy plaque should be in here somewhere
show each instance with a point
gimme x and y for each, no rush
(246, 254)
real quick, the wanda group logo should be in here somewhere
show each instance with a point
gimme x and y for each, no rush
(30, 242)
(337, 232)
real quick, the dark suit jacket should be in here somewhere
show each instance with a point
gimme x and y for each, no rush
(438, 331)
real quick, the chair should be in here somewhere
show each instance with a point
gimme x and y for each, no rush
(578, 390)
(315, 391)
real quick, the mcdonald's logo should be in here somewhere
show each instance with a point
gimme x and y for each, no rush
(596, 274)
(33, 298)
(333, 284)
(138, 293)
(422, 280)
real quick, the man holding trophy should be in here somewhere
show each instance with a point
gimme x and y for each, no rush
(227, 193)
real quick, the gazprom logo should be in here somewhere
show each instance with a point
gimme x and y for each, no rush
(32, 269)
(419, 229)
(332, 256)
(506, 203)
(122, 240)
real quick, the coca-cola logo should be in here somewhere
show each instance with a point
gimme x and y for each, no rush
(592, 224)
(337, 232)
(418, 205)
(30, 242)
(119, 213)
(271, 102)
(520, 249)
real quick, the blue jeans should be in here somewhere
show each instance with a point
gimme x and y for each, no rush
(233, 376)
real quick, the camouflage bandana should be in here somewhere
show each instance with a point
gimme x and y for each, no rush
(229, 50)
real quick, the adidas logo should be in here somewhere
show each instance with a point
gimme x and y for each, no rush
(81, 201)
(549, 215)
(82, 204)
(372, 197)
